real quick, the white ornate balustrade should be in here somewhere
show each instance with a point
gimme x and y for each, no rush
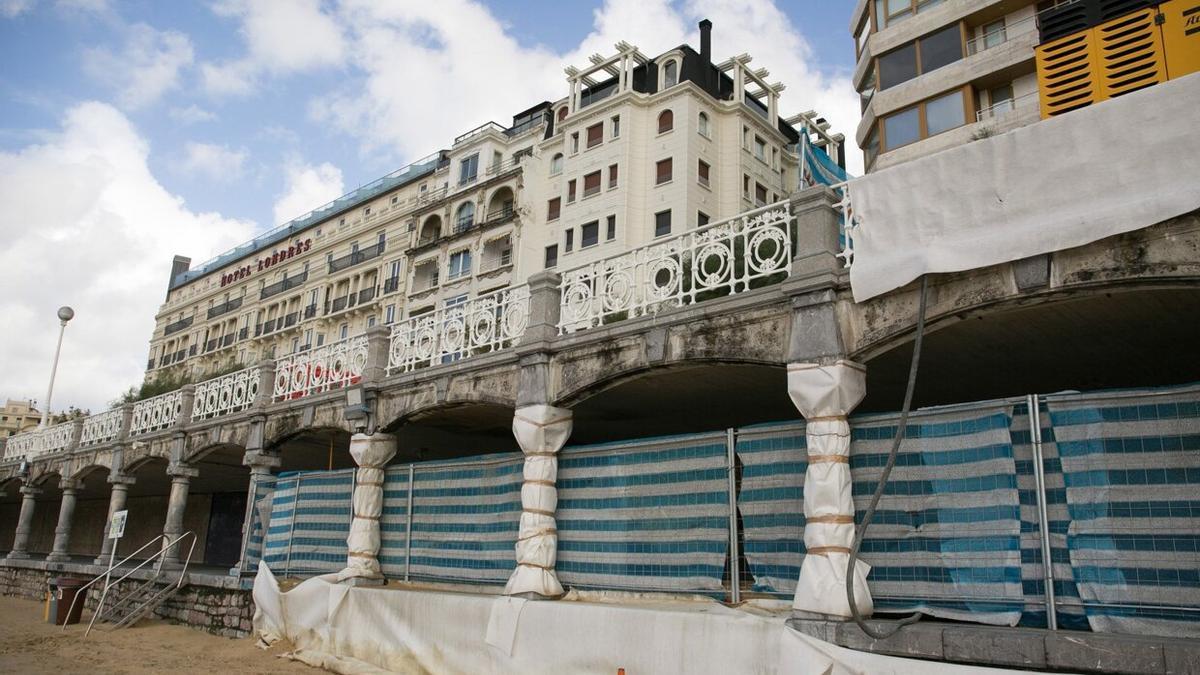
(33, 444)
(720, 258)
(102, 428)
(157, 413)
(337, 364)
(848, 222)
(226, 394)
(484, 324)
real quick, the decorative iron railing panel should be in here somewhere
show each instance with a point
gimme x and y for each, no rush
(102, 428)
(157, 413)
(226, 394)
(334, 365)
(484, 324)
(723, 258)
(36, 443)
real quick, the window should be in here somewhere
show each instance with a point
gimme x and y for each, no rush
(366, 212)
(871, 148)
(554, 209)
(701, 219)
(702, 173)
(662, 171)
(465, 217)
(574, 142)
(888, 12)
(921, 56)
(562, 113)
(616, 126)
(993, 34)
(556, 164)
(924, 120)
(389, 314)
(497, 160)
(344, 331)
(662, 223)
(867, 92)
(944, 113)
(760, 148)
(760, 194)
(591, 184)
(595, 135)
(702, 124)
(612, 176)
(380, 241)
(589, 234)
(670, 74)
(666, 121)
(570, 191)
(860, 35)
(320, 339)
(611, 228)
(552, 256)
(468, 169)
(568, 241)
(395, 199)
(460, 264)
(746, 186)
(903, 127)
(371, 321)
(1000, 99)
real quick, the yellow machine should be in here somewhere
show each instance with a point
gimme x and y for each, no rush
(1131, 52)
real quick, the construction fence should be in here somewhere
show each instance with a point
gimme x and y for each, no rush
(962, 532)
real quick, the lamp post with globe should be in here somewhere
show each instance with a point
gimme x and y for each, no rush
(65, 314)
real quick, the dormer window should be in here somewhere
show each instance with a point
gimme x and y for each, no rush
(670, 74)
(562, 113)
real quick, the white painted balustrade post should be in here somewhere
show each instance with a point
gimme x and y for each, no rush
(825, 395)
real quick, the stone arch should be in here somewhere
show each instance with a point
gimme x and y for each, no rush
(464, 215)
(501, 203)
(200, 453)
(476, 425)
(431, 229)
(85, 471)
(312, 448)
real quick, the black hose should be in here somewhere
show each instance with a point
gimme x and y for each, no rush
(861, 530)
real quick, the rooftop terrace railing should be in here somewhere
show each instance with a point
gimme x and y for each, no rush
(156, 413)
(722, 258)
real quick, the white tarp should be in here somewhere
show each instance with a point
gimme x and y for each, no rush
(372, 454)
(541, 431)
(1117, 166)
(370, 630)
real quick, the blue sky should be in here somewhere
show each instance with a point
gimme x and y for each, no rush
(131, 131)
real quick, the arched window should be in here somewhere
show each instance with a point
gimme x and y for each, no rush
(465, 217)
(562, 113)
(670, 74)
(666, 121)
(556, 164)
(703, 124)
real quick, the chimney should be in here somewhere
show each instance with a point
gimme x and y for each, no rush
(706, 41)
(178, 266)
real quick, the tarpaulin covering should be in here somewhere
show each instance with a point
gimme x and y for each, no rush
(541, 431)
(1130, 462)
(260, 517)
(371, 630)
(1110, 168)
(371, 452)
(946, 536)
(647, 515)
(310, 520)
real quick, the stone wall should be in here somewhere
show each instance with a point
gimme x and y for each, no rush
(220, 611)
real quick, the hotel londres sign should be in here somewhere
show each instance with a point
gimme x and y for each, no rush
(267, 262)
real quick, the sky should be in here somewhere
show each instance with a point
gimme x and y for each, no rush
(134, 131)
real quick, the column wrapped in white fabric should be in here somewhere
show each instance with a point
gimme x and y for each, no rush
(825, 395)
(541, 431)
(371, 453)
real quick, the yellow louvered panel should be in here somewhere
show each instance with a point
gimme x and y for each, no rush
(1067, 73)
(1181, 36)
(1130, 53)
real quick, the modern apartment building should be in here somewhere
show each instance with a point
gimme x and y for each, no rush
(18, 416)
(638, 149)
(933, 74)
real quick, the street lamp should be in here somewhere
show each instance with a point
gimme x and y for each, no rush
(65, 314)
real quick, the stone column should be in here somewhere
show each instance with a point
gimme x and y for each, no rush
(541, 431)
(66, 512)
(825, 395)
(371, 453)
(181, 477)
(116, 502)
(29, 495)
(262, 481)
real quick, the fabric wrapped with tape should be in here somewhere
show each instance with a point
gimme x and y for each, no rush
(825, 395)
(371, 453)
(541, 431)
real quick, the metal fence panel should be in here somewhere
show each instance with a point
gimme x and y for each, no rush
(647, 515)
(310, 520)
(1131, 468)
(256, 527)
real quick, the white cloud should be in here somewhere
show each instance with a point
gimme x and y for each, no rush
(94, 6)
(284, 36)
(87, 225)
(193, 114)
(215, 162)
(307, 188)
(13, 8)
(148, 65)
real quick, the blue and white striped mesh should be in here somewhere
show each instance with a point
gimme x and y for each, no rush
(648, 515)
(465, 518)
(310, 520)
(260, 515)
(1131, 469)
(946, 537)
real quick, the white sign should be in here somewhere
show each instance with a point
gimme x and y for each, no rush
(116, 529)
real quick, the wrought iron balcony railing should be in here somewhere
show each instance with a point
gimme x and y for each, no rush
(290, 319)
(177, 326)
(310, 311)
(360, 256)
(391, 285)
(224, 307)
(283, 285)
(366, 295)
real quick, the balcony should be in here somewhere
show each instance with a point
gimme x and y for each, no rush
(366, 295)
(339, 304)
(502, 214)
(244, 333)
(310, 311)
(150, 364)
(356, 257)
(224, 307)
(191, 350)
(227, 340)
(283, 285)
(268, 326)
(391, 285)
(211, 345)
(179, 354)
(177, 326)
(290, 319)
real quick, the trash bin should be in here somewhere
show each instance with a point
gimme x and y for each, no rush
(64, 590)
